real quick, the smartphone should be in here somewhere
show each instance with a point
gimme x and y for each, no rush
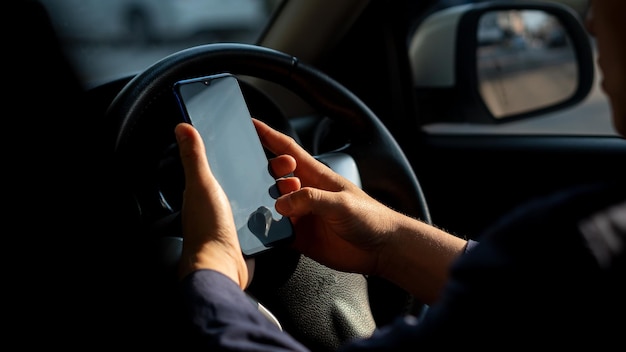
(216, 107)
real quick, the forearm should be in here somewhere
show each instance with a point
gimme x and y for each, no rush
(417, 257)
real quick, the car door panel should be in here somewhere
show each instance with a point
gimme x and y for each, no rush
(470, 181)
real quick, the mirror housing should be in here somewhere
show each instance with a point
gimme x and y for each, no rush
(445, 55)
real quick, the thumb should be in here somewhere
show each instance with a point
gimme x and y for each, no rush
(192, 152)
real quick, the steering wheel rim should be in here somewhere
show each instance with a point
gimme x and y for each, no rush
(371, 145)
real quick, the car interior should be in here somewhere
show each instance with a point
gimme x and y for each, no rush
(358, 84)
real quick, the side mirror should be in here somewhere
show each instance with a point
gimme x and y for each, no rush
(500, 61)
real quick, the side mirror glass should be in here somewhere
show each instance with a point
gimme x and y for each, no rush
(525, 61)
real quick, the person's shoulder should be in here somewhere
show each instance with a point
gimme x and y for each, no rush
(545, 255)
(569, 223)
(558, 212)
(604, 232)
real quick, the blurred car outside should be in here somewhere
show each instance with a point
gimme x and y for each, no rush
(145, 21)
(579, 6)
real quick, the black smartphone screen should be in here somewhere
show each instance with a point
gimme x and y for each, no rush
(216, 107)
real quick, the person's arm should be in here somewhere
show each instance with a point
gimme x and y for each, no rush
(418, 256)
(212, 269)
(339, 225)
(209, 234)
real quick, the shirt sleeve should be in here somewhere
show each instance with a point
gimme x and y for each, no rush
(470, 245)
(224, 318)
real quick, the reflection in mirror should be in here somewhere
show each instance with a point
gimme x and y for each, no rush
(525, 61)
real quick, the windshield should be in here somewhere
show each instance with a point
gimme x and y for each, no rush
(116, 38)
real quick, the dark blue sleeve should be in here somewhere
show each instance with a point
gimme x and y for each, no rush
(224, 318)
(470, 245)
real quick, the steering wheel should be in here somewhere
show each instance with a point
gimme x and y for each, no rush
(336, 306)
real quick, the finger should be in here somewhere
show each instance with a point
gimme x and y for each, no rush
(279, 143)
(282, 165)
(311, 171)
(307, 200)
(288, 185)
(192, 153)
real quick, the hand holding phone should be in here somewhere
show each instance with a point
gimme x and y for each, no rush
(216, 107)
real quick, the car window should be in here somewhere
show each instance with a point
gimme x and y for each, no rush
(115, 38)
(590, 117)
